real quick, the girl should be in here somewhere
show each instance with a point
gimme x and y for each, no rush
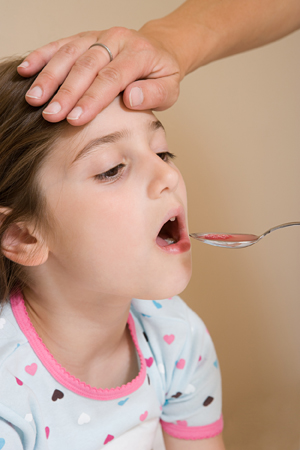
(93, 219)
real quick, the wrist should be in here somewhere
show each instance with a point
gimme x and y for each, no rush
(191, 43)
(163, 34)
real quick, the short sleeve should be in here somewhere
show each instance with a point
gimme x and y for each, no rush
(193, 405)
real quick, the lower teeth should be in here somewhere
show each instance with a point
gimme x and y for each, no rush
(170, 241)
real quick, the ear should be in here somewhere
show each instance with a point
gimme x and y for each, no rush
(23, 244)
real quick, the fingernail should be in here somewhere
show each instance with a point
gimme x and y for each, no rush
(24, 64)
(75, 113)
(136, 96)
(35, 92)
(53, 108)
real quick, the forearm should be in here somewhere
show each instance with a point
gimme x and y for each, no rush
(202, 31)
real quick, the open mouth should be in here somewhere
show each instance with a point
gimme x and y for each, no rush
(169, 233)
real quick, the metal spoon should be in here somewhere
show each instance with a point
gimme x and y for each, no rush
(234, 240)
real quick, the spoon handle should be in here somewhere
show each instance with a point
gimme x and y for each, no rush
(284, 225)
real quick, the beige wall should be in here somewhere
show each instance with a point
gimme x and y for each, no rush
(236, 131)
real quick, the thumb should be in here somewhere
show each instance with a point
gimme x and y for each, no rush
(158, 94)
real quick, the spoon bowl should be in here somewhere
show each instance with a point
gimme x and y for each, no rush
(236, 240)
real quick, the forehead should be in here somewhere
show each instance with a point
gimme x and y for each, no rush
(113, 119)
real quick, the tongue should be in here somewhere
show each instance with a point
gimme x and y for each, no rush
(161, 242)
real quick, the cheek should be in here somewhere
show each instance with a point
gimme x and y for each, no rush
(104, 238)
(98, 223)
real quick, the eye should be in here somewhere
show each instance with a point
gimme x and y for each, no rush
(166, 156)
(111, 174)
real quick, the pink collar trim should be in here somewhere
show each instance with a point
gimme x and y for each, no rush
(59, 373)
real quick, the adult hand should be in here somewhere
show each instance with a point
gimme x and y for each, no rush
(89, 81)
(149, 64)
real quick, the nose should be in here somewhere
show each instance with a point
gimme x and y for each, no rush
(163, 177)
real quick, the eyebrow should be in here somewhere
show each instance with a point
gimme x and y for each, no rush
(111, 139)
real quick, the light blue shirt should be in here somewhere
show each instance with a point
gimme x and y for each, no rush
(43, 407)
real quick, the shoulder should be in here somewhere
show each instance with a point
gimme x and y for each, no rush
(185, 363)
(14, 396)
(176, 335)
(11, 337)
(14, 354)
(169, 314)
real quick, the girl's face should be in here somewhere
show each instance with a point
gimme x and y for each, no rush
(111, 186)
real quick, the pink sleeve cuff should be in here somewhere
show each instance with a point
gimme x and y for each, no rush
(182, 431)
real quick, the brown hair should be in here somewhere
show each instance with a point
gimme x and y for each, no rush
(25, 139)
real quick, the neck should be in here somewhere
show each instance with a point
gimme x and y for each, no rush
(84, 331)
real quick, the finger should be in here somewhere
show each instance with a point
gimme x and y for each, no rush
(80, 78)
(55, 72)
(158, 94)
(37, 59)
(110, 81)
